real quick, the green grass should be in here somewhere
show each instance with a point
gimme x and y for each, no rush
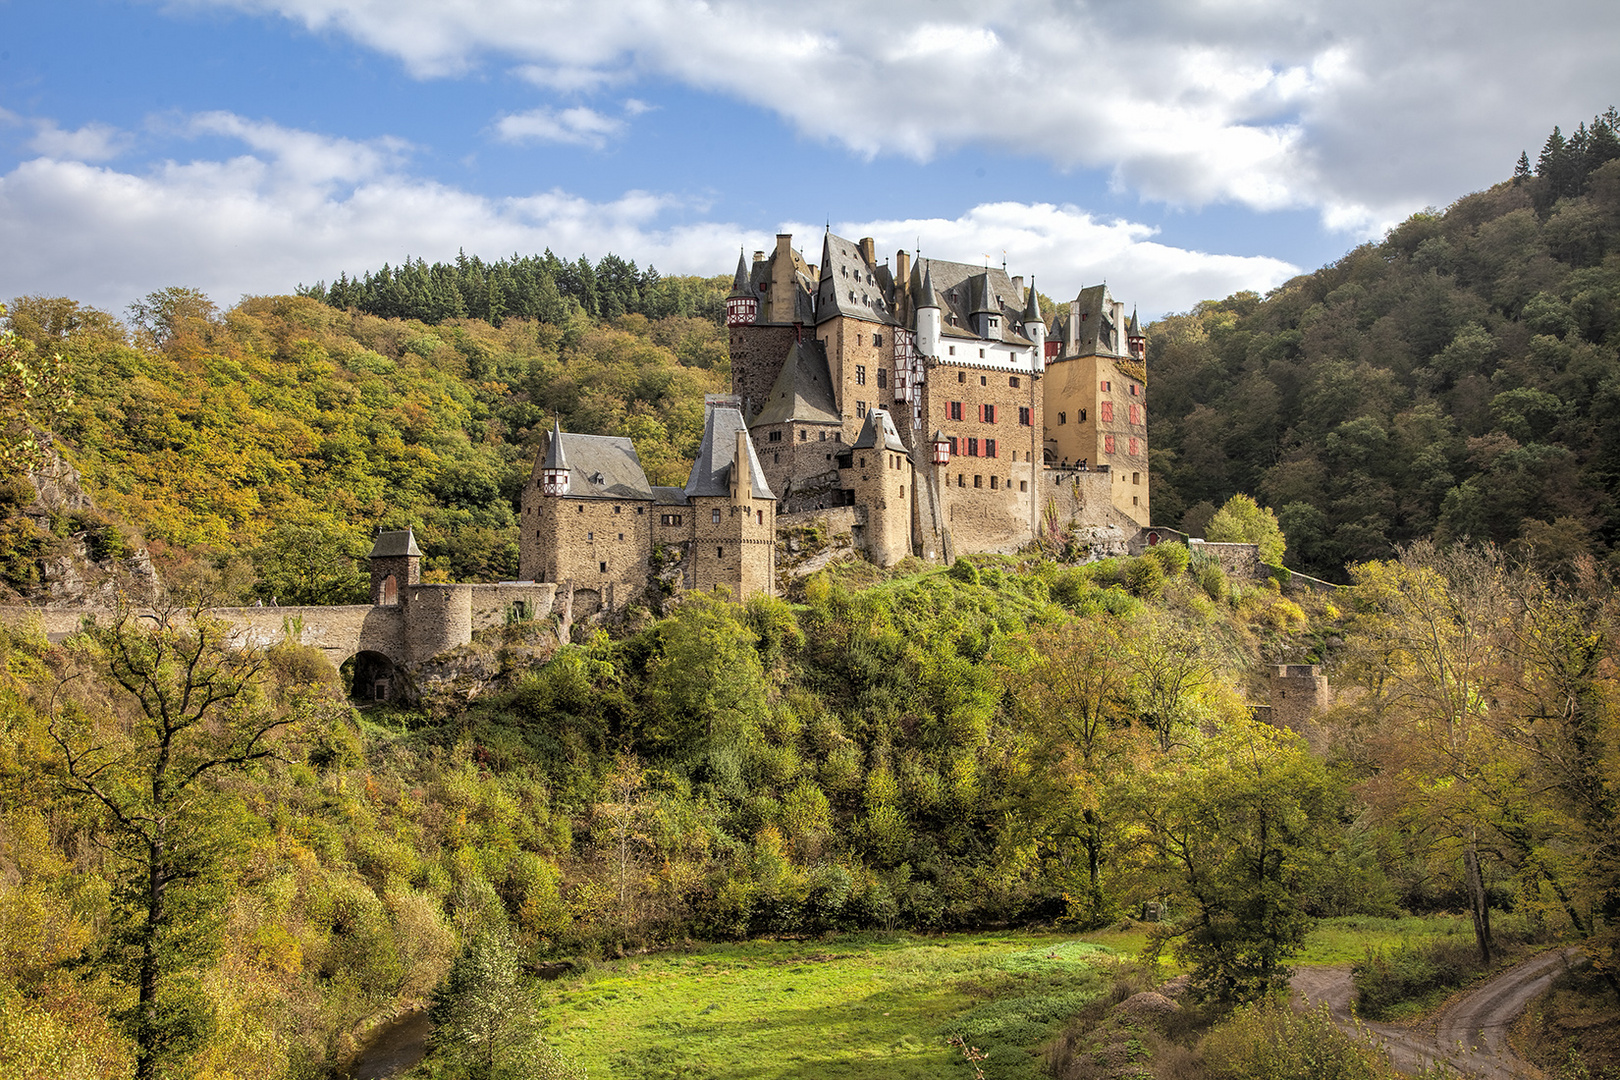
(854, 1007)
(869, 1007)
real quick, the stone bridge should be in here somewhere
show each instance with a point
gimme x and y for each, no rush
(427, 620)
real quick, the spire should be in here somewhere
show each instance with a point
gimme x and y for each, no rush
(740, 285)
(927, 299)
(554, 472)
(555, 458)
(1134, 328)
(1032, 305)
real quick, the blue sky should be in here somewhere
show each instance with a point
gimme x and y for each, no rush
(1181, 150)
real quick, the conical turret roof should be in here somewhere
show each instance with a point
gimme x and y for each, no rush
(555, 457)
(740, 285)
(1032, 305)
(927, 299)
(1133, 328)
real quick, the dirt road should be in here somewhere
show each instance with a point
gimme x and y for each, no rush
(1470, 1034)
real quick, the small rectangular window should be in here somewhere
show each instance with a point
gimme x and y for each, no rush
(775, 436)
(1012, 381)
(621, 536)
(883, 379)
(860, 374)
(989, 414)
(1063, 418)
(714, 517)
(761, 515)
(804, 435)
(1107, 386)
(719, 552)
(1023, 485)
(981, 357)
(860, 408)
(590, 536)
(602, 567)
(1024, 415)
(961, 376)
(954, 450)
(877, 339)
(978, 481)
(1136, 391)
(994, 482)
(955, 411)
(973, 448)
(989, 448)
(618, 509)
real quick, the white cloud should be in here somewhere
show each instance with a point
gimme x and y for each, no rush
(300, 207)
(1360, 109)
(92, 142)
(579, 125)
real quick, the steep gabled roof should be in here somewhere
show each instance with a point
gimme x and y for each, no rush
(962, 291)
(803, 389)
(849, 286)
(599, 466)
(879, 431)
(711, 472)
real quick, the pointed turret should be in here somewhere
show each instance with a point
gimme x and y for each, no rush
(554, 472)
(1035, 326)
(1135, 340)
(928, 317)
(743, 303)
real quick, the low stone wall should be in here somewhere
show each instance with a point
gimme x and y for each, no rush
(1240, 561)
(492, 603)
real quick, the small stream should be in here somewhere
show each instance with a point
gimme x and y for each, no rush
(393, 1047)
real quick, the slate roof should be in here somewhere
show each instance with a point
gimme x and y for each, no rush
(1092, 329)
(669, 496)
(599, 466)
(740, 285)
(394, 544)
(879, 427)
(849, 286)
(711, 472)
(963, 290)
(803, 389)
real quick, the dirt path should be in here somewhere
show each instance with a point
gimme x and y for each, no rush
(1470, 1034)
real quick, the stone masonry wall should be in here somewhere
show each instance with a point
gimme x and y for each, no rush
(989, 504)
(598, 544)
(757, 353)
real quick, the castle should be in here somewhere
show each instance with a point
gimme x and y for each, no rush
(925, 409)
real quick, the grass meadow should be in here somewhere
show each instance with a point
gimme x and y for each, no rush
(870, 1007)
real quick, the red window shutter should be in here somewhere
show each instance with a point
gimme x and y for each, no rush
(1107, 411)
(1108, 444)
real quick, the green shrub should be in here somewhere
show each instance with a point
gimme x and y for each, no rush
(1410, 973)
(1144, 577)
(1212, 579)
(1174, 557)
(1269, 1041)
(965, 572)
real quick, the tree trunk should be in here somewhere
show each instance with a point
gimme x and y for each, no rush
(1477, 904)
(146, 1039)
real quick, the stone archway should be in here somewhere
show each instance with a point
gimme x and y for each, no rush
(370, 676)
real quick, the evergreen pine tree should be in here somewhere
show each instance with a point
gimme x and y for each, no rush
(1521, 171)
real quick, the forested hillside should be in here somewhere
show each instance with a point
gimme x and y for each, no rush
(1459, 379)
(281, 433)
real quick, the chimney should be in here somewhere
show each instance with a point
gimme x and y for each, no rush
(1018, 289)
(759, 256)
(902, 267)
(869, 251)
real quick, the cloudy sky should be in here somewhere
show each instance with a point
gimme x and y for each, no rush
(1179, 149)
